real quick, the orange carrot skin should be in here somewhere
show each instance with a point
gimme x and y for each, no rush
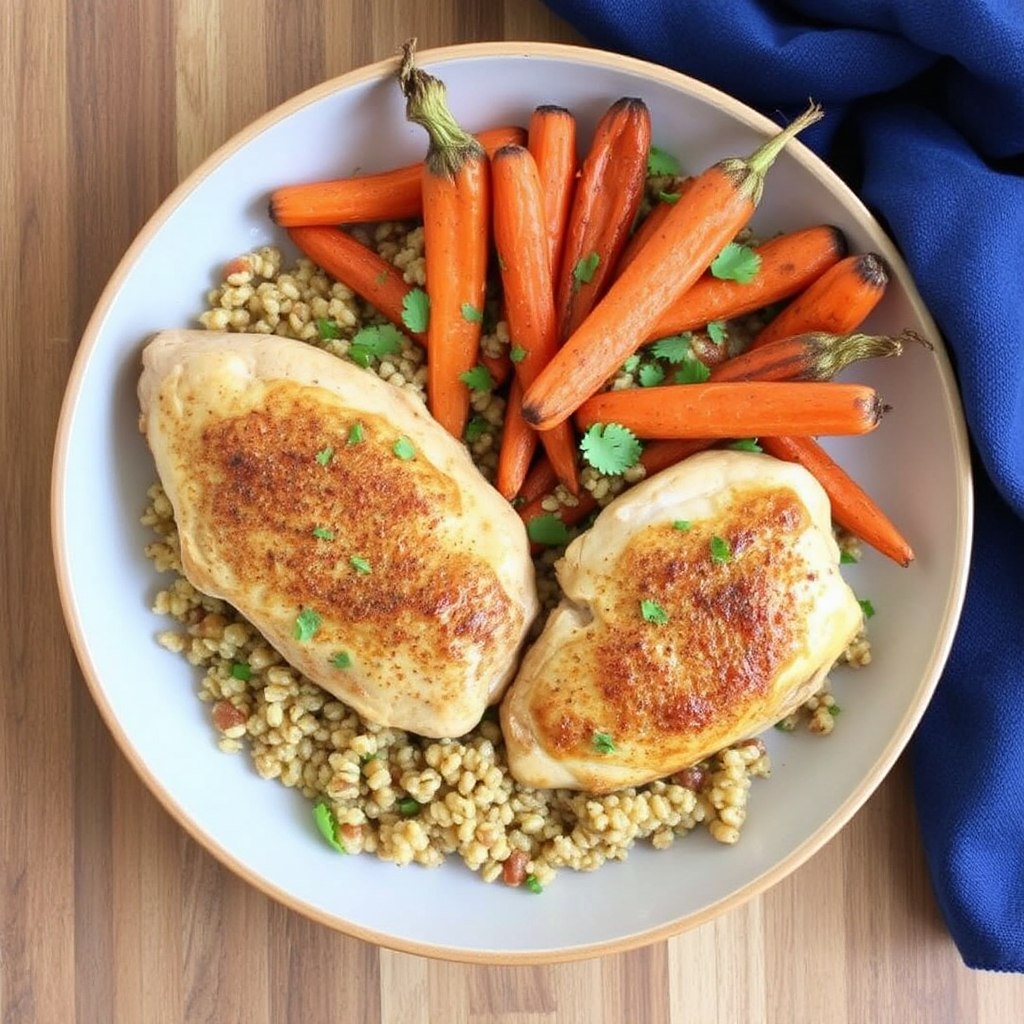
(360, 268)
(551, 139)
(605, 203)
(838, 301)
(648, 227)
(719, 202)
(394, 194)
(521, 239)
(789, 264)
(518, 443)
(852, 507)
(539, 481)
(737, 409)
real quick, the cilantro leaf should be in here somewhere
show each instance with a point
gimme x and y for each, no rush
(325, 455)
(610, 448)
(327, 826)
(533, 884)
(603, 743)
(693, 371)
(307, 622)
(661, 163)
(848, 558)
(356, 433)
(476, 428)
(868, 608)
(681, 524)
(653, 612)
(651, 374)
(416, 310)
(478, 379)
(631, 363)
(360, 564)
(720, 550)
(517, 353)
(323, 533)
(408, 806)
(586, 267)
(746, 444)
(341, 659)
(327, 329)
(471, 313)
(673, 349)
(716, 331)
(404, 449)
(736, 263)
(241, 670)
(670, 197)
(374, 342)
(547, 529)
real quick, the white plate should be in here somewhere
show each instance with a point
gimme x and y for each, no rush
(916, 464)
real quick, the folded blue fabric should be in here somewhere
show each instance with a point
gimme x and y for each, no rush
(930, 99)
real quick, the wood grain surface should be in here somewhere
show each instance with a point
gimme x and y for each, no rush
(109, 912)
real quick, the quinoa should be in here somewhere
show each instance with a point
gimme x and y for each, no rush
(393, 794)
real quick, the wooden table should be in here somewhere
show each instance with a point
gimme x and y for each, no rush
(109, 912)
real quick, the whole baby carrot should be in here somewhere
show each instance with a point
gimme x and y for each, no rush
(518, 444)
(719, 202)
(456, 239)
(551, 139)
(395, 194)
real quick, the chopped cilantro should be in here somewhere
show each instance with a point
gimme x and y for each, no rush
(367, 758)
(834, 709)
(720, 550)
(356, 433)
(404, 449)
(586, 267)
(327, 826)
(341, 659)
(478, 379)
(476, 428)
(471, 313)
(693, 371)
(307, 622)
(375, 342)
(673, 349)
(323, 533)
(736, 263)
(603, 743)
(785, 724)
(325, 455)
(407, 806)
(746, 444)
(241, 670)
(360, 564)
(416, 310)
(867, 607)
(661, 163)
(533, 884)
(716, 332)
(631, 363)
(848, 558)
(517, 353)
(651, 374)
(327, 329)
(653, 612)
(681, 524)
(610, 448)
(670, 197)
(547, 529)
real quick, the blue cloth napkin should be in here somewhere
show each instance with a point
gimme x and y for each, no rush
(926, 108)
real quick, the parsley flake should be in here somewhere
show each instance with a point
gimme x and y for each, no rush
(327, 329)
(673, 349)
(716, 332)
(476, 428)
(693, 371)
(241, 670)
(603, 743)
(416, 310)
(375, 342)
(471, 313)
(736, 263)
(681, 524)
(341, 659)
(323, 533)
(307, 622)
(404, 449)
(610, 448)
(848, 558)
(356, 434)
(746, 444)
(867, 607)
(327, 826)
(586, 267)
(533, 884)
(517, 353)
(325, 455)
(408, 806)
(547, 529)
(661, 163)
(360, 564)
(651, 374)
(653, 612)
(478, 379)
(720, 550)
(631, 363)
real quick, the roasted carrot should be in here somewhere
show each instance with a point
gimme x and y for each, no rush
(456, 239)
(395, 194)
(551, 139)
(604, 206)
(358, 266)
(789, 263)
(539, 481)
(715, 207)
(648, 227)
(738, 409)
(518, 444)
(499, 367)
(521, 239)
(838, 301)
(852, 507)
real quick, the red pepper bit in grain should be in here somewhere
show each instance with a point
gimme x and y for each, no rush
(513, 871)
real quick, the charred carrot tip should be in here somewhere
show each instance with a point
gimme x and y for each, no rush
(872, 269)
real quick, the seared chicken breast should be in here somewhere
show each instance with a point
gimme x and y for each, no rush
(340, 519)
(704, 604)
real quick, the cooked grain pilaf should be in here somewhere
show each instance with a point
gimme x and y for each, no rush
(399, 796)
